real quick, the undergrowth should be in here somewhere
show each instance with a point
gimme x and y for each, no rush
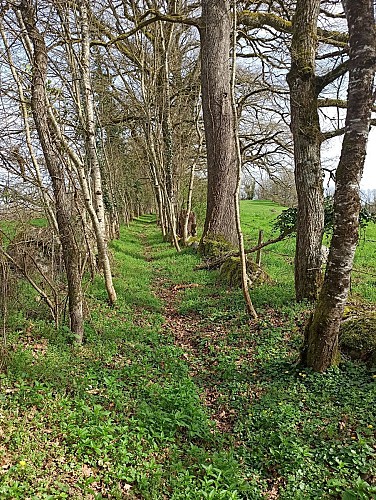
(214, 408)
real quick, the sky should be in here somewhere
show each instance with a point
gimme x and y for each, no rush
(369, 176)
(332, 150)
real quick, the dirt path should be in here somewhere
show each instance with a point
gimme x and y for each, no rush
(201, 341)
(189, 331)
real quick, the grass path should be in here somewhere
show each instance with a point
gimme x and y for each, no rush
(175, 395)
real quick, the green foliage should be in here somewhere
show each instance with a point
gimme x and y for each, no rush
(286, 221)
(120, 415)
(305, 429)
(365, 216)
(40, 222)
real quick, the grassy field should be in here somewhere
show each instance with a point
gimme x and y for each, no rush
(176, 395)
(279, 258)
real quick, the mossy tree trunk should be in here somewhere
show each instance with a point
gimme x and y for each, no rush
(305, 127)
(321, 343)
(215, 33)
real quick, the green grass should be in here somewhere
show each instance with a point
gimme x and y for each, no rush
(364, 275)
(278, 259)
(207, 407)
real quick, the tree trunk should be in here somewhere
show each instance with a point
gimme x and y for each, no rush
(99, 222)
(305, 127)
(215, 34)
(151, 153)
(192, 176)
(321, 343)
(162, 52)
(54, 163)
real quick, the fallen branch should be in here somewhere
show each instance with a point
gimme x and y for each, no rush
(354, 270)
(218, 261)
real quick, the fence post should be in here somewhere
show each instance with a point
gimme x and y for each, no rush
(258, 255)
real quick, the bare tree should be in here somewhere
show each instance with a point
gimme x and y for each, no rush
(156, 92)
(55, 166)
(98, 220)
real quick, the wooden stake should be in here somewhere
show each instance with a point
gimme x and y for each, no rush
(258, 255)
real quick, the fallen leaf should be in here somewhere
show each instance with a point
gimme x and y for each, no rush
(86, 470)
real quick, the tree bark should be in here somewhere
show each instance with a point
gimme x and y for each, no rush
(54, 164)
(305, 127)
(215, 34)
(321, 343)
(192, 176)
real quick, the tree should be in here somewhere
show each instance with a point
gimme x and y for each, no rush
(157, 87)
(321, 342)
(97, 218)
(308, 52)
(279, 188)
(55, 166)
(82, 169)
(305, 127)
(215, 34)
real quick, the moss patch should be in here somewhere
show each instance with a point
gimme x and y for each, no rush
(230, 273)
(358, 337)
(213, 248)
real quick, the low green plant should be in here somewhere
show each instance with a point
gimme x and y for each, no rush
(175, 394)
(285, 223)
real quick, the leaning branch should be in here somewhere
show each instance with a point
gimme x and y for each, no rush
(340, 131)
(335, 103)
(156, 16)
(325, 80)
